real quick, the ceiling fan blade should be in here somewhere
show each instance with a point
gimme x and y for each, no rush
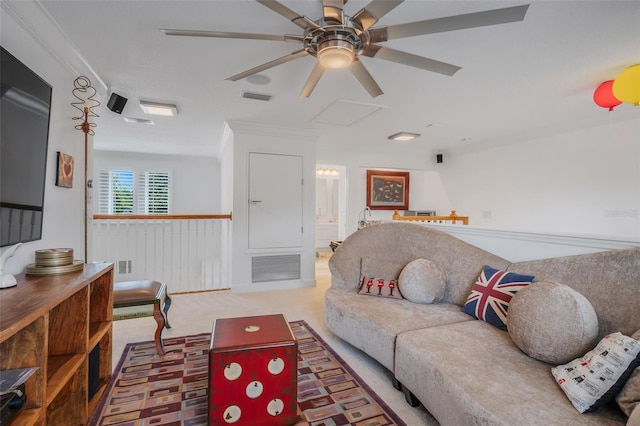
(313, 79)
(450, 23)
(370, 14)
(226, 34)
(271, 64)
(363, 76)
(388, 54)
(301, 21)
(332, 11)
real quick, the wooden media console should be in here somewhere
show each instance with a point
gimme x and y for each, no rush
(55, 322)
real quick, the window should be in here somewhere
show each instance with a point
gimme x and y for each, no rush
(153, 197)
(120, 193)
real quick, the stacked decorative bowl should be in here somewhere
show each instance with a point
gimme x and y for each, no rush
(54, 261)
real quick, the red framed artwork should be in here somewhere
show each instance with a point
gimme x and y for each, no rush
(387, 190)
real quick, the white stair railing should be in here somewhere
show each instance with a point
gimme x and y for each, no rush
(188, 252)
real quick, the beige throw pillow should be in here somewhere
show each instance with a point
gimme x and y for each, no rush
(422, 281)
(552, 322)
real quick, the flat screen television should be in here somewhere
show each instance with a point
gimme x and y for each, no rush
(25, 107)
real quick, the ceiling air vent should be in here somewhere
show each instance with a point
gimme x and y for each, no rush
(256, 96)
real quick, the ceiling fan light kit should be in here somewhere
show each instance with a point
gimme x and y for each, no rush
(338, 40)
(336, 54)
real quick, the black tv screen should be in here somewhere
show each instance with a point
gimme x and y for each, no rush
(25, 106)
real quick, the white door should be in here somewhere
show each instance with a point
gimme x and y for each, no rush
(275, 201)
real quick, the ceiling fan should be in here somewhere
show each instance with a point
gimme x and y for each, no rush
(338, 40)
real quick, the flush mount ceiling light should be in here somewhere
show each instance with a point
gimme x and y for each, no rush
(336, 54)
(404, 136)
(138, 120)
(155, 108)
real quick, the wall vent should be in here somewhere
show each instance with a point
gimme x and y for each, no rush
(256, 96)
(275, 268)
(124, 266)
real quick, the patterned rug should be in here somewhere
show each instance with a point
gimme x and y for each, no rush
(172, 390)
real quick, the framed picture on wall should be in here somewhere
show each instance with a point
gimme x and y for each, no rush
(387, 190)
(64, 177)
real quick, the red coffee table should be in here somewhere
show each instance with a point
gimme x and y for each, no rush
(253, 371)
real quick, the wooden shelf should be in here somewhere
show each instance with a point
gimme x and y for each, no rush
(53, 323)
(97, 330)
(29, 416)
(93, 403)
(60, 370)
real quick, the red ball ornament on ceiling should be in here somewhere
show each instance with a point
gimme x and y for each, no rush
(604, 97)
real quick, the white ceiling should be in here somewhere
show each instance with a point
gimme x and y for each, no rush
(518, 81)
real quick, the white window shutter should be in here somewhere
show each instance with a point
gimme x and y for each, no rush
(115, 192)
(103, 192)
(154, 193)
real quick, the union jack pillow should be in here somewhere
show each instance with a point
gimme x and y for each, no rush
(489, 299)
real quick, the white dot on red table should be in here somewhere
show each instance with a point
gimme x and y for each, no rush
(275, 407)
(232, 414)
(254, 389)
(275, 366)
(232, 371)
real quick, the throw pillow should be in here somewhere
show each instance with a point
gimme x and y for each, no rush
(379, 287)
(552, 322)
(594, 379)
(629, 398)
(490, 296)
(422, 281)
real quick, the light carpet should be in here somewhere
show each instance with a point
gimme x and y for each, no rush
(172, 390)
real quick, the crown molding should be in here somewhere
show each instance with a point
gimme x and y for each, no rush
(40, 25)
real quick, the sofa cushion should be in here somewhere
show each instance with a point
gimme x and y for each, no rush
(629, 398)
(594, 379)
(372, 286)
(472, 373)
(422, 281)
(552, 322)
(490, 296)
(371, 324)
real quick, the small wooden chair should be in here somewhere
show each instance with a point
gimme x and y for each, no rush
(138, 293)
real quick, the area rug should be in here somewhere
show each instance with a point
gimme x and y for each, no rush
(172, 390)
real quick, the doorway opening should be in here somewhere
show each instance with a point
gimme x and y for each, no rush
(331, 206)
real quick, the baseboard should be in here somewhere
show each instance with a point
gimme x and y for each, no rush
(272, 285)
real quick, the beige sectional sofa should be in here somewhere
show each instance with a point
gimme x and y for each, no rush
(466, 371)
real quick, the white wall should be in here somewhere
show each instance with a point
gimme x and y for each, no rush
(584, 182)
(63, 224)
(196, 180)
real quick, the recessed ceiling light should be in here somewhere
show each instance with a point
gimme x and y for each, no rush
(138, 120)
(404, 136)
(155, 108)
